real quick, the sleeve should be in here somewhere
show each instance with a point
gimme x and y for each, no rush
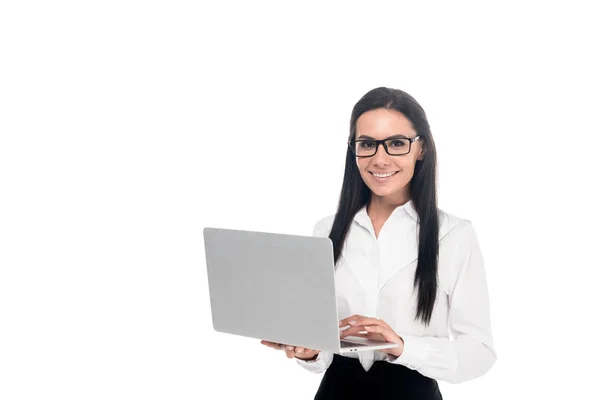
(471, 353)
(322, 362)
(324, 359)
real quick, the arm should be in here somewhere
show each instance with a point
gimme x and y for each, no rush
(471, 354)
(324, 358)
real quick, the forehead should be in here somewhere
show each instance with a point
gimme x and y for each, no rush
(382, 123)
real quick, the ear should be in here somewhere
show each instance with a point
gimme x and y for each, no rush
(422, 153)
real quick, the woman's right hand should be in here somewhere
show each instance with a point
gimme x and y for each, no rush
(293, 351)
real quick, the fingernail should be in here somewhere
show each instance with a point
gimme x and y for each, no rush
(341, 323)
(367, 327)
(352, 322)
(290, 348)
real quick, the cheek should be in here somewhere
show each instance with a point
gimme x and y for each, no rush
(406, 165)
(408, 169)
(363, 165)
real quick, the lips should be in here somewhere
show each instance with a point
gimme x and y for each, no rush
(383, 174)
(383, 179)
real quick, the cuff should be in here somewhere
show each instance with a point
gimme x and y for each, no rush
(303, 362)
(415, 353)
(316, 366)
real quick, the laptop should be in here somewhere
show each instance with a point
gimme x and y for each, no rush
(277, 287)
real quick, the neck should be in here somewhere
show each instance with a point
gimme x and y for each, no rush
(381, 207)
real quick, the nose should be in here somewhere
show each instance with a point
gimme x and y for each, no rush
(381, 157)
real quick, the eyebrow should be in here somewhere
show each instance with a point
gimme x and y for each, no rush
(391, 137)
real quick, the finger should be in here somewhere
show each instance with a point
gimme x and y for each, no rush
(388, 334)
(368, 335)
(269, 344)
(356, 320)
(353, 331)
(372, 336)
(375, 329)
(376, 337)
(362, 331)
(370, 321)
(304, 351)
(362, 334)
(346, 321)
(289, 353)
(307, 354)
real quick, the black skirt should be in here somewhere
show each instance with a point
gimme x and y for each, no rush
(346, 379)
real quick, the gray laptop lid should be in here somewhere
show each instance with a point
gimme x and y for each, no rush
(271, 286)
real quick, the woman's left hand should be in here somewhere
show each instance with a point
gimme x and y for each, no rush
(376, 329)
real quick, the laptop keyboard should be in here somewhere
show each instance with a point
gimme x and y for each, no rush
(345, 345)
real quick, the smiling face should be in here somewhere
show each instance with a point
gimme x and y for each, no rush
(383, 123)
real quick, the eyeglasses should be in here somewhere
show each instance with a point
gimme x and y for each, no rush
(394, 147)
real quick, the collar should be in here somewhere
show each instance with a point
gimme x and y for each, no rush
(362, 217)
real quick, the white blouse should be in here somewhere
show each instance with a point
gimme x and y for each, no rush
(374, 277)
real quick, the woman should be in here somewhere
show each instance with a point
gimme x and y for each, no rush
(406, 271)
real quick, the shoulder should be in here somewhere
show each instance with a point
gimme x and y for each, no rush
(458, 247)
(454, 227)
(323, 226)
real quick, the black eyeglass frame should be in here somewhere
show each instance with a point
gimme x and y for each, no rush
(352, 144)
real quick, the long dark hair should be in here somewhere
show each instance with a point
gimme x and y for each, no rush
(355, 193)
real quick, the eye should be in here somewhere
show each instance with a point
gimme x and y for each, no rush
(367, 144)
(397, 142)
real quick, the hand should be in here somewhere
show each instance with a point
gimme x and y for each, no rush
(376, 329)
(292, 351)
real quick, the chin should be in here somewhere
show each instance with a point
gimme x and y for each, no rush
(383, 190)
(383, 193)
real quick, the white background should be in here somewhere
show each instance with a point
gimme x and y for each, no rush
(128, 126)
